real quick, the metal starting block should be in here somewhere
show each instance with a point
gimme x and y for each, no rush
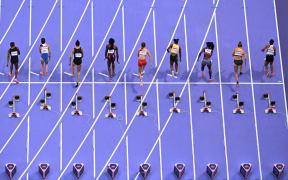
(43, 102)
(211, 170)
(271, 104)
(207, 104)
(10, 169)
(44, 169)
(144, 169)
(74, 105)
(141, 112)
(112, 106)
(78, 169)
(112, 169)
(245, 169)
(240, 104)
(12, 104)
(179, 169)
(278, 170)
(176, 100)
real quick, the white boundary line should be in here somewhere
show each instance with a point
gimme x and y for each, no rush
(102, 74)
(93, 93)
(61, 87)
(252, 89)
(61, 146)
(221, 97)
(155, 39)
(94, 154)
(92, 26)
(280, 55)
(30, 22)
(186, 42)
(29, 109)
(14, 18)
(31, 47)
(159, 128)
(123, 33)
(61, 25)
(126, 122)
(28, 144)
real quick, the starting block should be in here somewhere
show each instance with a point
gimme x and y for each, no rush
(271, 104)
(176, 100)
(278, 170)
(179, 169)
(74, 105)
(12, 104)
(141, 112)
(245, 169)
(78, 169)
(144, 169)
(43, 102)
(240, 104)
(10, 169)
(112, 169)
(44, 169)
(211, 170)
(207, 104)
(110, 114)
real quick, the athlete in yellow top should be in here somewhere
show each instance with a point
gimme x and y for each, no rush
(174, 50)
(270, 53)
(238, 54)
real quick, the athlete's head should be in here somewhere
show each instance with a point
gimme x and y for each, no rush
(43, 40)
(176, 41)
(143, 44)
(77, 43)
(111, 41)
(240, 44)
(210, 45)
(12, 44)
(271, 41)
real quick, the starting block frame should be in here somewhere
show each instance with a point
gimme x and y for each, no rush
(78, 169)
(74, 104)
(144, 169)
(245, 169)
(10, 169)
(240, 104)
(278, 170)
(271, 104)
(176, 100)
(43, 102)
(12, 104)
(112, 169)
(112, 106)
(143, 104)
(207, 104)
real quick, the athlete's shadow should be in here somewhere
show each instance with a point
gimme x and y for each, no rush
(259, 75)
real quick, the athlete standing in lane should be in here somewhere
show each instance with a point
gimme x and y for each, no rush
(270, 53)
(14, 52)
(110, 51)
(238, 54)
(208, 52)
(174, 50)
(45, 52)
(78, 55)
(142, 61)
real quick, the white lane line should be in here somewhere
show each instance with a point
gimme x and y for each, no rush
(221, 97)
(93, 94)
(29, 109)
(28, 140)
(281, 62)
(10, 25)
(187, 82)
(159, 128)
(69, 74)
(30, 22)
(102, 74)
(94, 154)
(61, 145)
(61, 25)
(155, 38)
(252, 89)
(36, 74)
(31, 48)
(186, 43)
(123, 33)
(126, 122)
(29, 80)
(2, 74)
(61, 87)
(92, 27)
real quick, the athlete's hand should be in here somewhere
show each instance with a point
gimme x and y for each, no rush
(7, 64)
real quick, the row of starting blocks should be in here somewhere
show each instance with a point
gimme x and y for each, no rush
(145, 168)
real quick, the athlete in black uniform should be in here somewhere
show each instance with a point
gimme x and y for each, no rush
(78, 55)
(110, 51)
(208, 52)
(14, 52)
(269, 59)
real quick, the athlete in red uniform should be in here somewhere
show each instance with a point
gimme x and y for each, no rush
(142, 53)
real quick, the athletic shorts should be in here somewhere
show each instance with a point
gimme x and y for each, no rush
(44, 58)
(14, 61)
(238, 62)
(173, 59)
(206, 62)
(142, 62)
(77, 62)
(269, 58)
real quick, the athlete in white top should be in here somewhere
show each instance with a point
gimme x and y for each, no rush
(270, 53)
(45, 52)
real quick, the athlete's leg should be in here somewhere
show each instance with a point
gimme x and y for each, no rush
(240, 70)
(236, 72)
(73, 66)
(272, 68)
(266, 67)
(171, 64)
(209, 65)
(203, 64)
(42, 64)
(16, 70)
(140, 74)
(78, 72)
(113, 68)
(11, 68)
(176, 66)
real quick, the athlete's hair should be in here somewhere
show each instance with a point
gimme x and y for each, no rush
(271, 41)
(43, 40)
(12, 44)
(176, 41)
(210, 45)
(111, 42)
(143, 44)
(240, 44)
(77, 43)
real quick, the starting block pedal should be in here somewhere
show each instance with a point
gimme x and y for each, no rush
(211, 170)
(78, 169)
(144, 169)
(12, 104)
(271, 104)
(179, 169)
(207, 104)
(110, 114)
(74, 105)
(141, 112)
(245, 169)
(43, 102)
(240, 104)
(44, 169)
(176, 100)
(10, 169)
(278, 170)
(112, 169)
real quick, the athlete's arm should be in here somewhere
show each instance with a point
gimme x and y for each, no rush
(245, 58)
(70, 58)
(263, 49)
(274, 50)
(233, 53)
(202, 50)
(148, 52)
(49, 50)
(168, 49)
(18, 50)
(180, 55)
(40, 49)
(106, 51)
(8, 57)
(82, 51)
(117, 55)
